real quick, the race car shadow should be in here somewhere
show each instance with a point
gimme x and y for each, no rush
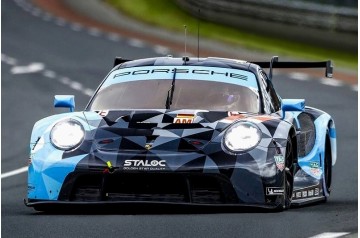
(156, 209)
(329, 205)
(153, 209)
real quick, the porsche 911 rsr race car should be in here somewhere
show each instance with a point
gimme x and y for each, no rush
(184, 131)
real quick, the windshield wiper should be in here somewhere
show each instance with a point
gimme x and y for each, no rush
(170, 92)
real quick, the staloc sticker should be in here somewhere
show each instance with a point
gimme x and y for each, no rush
(274, 191)
(144, 165)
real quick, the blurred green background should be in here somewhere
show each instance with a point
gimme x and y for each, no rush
(168, 14)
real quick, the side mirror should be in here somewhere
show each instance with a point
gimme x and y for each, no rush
(65, 101)
(292, 105)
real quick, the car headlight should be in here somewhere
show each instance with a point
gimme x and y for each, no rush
(67, 134)
(242, 136)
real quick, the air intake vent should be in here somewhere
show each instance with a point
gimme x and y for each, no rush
(172, 188)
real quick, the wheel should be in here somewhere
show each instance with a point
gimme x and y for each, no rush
(288, 174)
(327, 165)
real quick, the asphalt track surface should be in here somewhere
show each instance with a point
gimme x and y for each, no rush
(75, 62)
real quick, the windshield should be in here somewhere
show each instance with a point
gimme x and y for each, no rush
(206, 88)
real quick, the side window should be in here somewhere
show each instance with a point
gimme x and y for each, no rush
(270, 92)
(274, 97)
(268, 108)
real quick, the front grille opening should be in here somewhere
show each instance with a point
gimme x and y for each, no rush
(173, 188)
(141, 188)
(205, 190)
(87, 188)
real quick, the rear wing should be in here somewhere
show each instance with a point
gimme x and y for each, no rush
(119, 60)
(274, 63)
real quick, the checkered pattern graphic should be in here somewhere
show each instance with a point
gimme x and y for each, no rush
(152, 136)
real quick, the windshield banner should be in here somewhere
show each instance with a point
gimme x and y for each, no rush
(215, 74)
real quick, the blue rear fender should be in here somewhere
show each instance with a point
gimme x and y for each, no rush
(324, 126)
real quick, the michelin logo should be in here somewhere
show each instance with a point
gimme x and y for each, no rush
(274, 191)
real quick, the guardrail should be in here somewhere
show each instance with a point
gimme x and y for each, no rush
(312, 23)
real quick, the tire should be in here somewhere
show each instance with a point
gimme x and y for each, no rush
(327, 165)
(288, 174)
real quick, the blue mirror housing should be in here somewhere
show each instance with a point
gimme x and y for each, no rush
(295, 105)
(65, 101)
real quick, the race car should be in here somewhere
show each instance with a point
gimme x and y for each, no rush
(184, 131)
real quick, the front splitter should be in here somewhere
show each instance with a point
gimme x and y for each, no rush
(68, 206)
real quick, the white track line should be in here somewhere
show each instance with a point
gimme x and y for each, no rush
(330, 235)
(46, 14)
(14, 172)
(136, 43)
(65, 80)
(60, 21)
(37, 67)
(114, 37)
(47, 17)
(26, 69)
(76, 27)
(331, 82)
(88, 92)
(49, 74)
(94, 32)
(26, 8)
(8, 60)
(76, 86)
(37, 9)
(161, 50)
(299, 76)
(36, 13)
